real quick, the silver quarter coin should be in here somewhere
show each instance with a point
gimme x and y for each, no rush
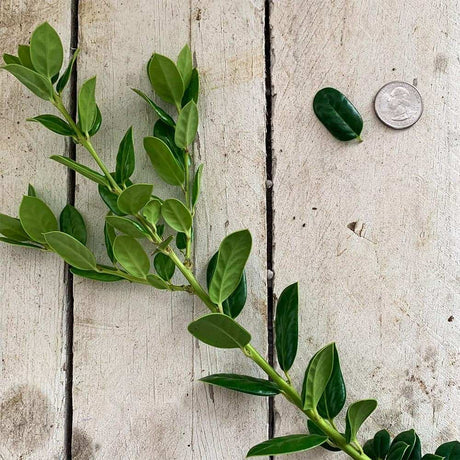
(398, 104)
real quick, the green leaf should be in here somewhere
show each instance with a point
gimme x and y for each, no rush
(357, 413)
(164, 266)
(134, 198)
(109, 237)
(432, 457)
(196, 185)
(127, 226)
(110, 198)
(81, 169)
(185, 65)
(317, 375)
(96, 123)
(176, 215)
(162, 246)
(335, 394)
(24, 56)
(12, 228)
(38, 84)
(54, 123)
(380, 444)
(20, 243)
(287, 445)
(162, 115)
(87, 109)
(449, 450)
(46, 50)
(94, 275)
(160, 230)
(337, 114)
(36, 218)
(233, 305)
(397, 451)
(187, 125)
(219, 331)
(181, 241)
(152, 211)
(193, 89)
(314, 429)
(10, 59)
(243, 384)
(157, 282)
(125, 158)
(166, 133)
(131, 256)
(31, 191)
(163, 161)
(72, 223)
(287, 327)
(166, 79)
(62, 82)
(233, 255)
(71, 250)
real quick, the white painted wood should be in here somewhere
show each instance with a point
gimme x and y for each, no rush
(386, 297)
(136, 366)
(32, 288)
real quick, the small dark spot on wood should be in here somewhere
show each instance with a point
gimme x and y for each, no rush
(393, 69)
(293, 218)
(211, 392)
(82, 446)
(303, 225)
(198, 14)
(450, 319)
(314, 209)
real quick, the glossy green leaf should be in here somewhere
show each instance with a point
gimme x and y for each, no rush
(152, 211)
(110, 199)
(314, 429)
(109, 237)
(46, 50)
(62, 82)
(233, 255)
(10, 59)
(131, 256)
(335, 394)
(357, 414)
(432, 457)
(337, 114)
(397, 451)
(380, 444)
(410, 437)
(287, 326)
(176, 215)
(94, 275)
(287, 445)
(96, 123)
(37, 83)
(54, 123)
(219, 331)
(31, 191)
(233, 305)
(243, 384)
(12, 228)
(166, 79)
(71, 250)
(193, 89)
(81, 169)
(127, 226)
(72, 223)
(20, 243)
(160, 229)
(125, 158)
(36, 218)
(196, 185)
(187, 125)
(162, 115)
(87, 109)
(185, 65)
(449, 450)
(164, 266)
(317, 375)
(24, 56)
(163, 161)
(181, 241)
(134, 198)
(167, 133)
(157, 282)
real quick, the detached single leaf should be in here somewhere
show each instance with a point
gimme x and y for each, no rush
(87, 109)
(127, 226)
(152, 211)
(193, 89)
(164, 266)
(185, 65)
(32, 80)
(287, 445)
(71, 250)
(287, 326)
(134, 198)
(46, 50)
(131, 256)
(233, 254)
(72, 223)
(36, 218)
(243, 384)
(196, 185)
(163, 161)
(62, 82)
(162, 115)
(357, 414)
(12, 228)
(125, 158)
(81, 169)
(95, 275)
(337, 114)
(449, 450)
(397, 451)
(176, 215)
(219, 331)
(166, 79)
(187, 125)
(54, 123)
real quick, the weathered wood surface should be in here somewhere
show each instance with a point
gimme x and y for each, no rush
(385, 297)
(32, 288)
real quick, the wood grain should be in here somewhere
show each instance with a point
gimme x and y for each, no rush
(386, 295)
(32, 286)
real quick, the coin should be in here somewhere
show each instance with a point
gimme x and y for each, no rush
(398, 104)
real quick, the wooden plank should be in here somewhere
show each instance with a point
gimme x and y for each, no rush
(135, 363)
(385, 297)
(32, 286)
